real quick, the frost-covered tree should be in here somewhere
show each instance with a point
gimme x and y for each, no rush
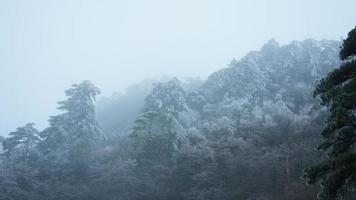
(155, 133)
(21, 142)
(74, 133)
(18, 163)
(338, 92)
(167, 95)
(77, 125)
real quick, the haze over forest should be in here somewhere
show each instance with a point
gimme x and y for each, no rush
(47, 45)
(178, 100)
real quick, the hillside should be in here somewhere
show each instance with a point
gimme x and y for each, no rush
(245, 133)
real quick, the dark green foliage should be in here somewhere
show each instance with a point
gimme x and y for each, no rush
(349, 46)
(338, 92)
(154, 136)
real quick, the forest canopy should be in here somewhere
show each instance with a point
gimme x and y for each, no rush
(247, 132)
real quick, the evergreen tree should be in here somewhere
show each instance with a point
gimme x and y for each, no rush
(155, 136)
(21, 142)
(338, 92)
(166, 96)
(18, 165)
(74, 133)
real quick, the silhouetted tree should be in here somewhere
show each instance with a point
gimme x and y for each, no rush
(338, 92)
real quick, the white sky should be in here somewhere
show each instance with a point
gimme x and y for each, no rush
(46, 45)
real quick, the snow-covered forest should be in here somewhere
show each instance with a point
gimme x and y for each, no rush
(177, 100)
(247, 132)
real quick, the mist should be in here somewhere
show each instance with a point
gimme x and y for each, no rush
(177, 100)
(48, 45)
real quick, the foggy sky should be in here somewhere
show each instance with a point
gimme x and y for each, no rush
(45, 46)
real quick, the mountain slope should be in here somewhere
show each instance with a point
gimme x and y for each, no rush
(276, 81)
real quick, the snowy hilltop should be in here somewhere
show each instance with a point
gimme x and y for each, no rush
(262, 88)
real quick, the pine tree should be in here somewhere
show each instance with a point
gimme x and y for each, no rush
(154, 135)
(21, 141)
(166, 96)
(338, 92)
(18, 166)
(74, 133)
(155, 132)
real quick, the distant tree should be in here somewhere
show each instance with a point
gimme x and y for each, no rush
(18, 163)
(75, 132)
(338, 92)
(21, 141)
(166, 96)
